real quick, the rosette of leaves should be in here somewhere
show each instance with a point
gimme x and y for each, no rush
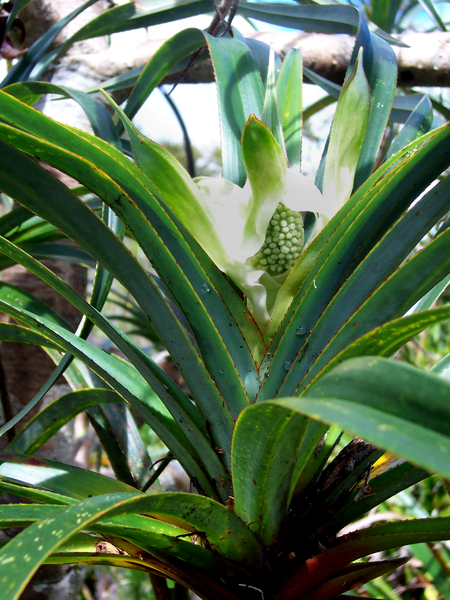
(263, 394)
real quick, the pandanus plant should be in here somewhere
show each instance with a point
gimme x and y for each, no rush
(281, 302)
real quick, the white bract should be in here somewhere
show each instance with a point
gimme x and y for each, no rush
(255, 233)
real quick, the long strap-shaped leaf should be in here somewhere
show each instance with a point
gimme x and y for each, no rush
(105, 426)
(133, 17)
(348, 236)
(122, 377)
(166, 389)
(383, 486)
(334, 18)
(133, 182)
(387, 339)
(266, 442)
(225, 531)
(369, 208)
(9, 332)
(419, 122)
(239, 87)
(380, 66)
(159, 65)
(89, 231)
(392, 405)
(290, 101)
(183, 411)
(412, 281)
(172, 181)
(165, 58)
(51, 482)
(101, 123)
(241, 94)
(321, 19)
(147, 535)
(49, 420)
(116, 428)
(372, 273)
(23, 68)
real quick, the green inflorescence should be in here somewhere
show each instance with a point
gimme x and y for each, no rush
(283, 244)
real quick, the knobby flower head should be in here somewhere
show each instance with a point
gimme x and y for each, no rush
(255, 234)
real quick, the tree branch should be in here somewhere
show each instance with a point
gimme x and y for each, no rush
(425, 63)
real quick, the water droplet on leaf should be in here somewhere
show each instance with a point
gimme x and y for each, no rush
(206, 287)
(287, 365)
(301, 330)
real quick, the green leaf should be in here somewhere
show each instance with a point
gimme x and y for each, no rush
(224, 531)
(101, 123)
(261, 53)
(271, 113)
(225, 354)
(120, 439)
(125, 81)
(97, 161)
(165, 58)
(419, 122)
(355, 309)
(404, 106)
(53, 250)
(412, 281)
(384, 13)
(129, 384)
(390, 404)
(433, 557)
(387, 339)
(432, 12)
(342, 245)
(16, 333)
(320, 19)
(241, 94)
(347, 136)
(15, 8)
(430, 297)
(264, 453)
(380, 66)
(127, 17)
(103, 243)
(21, 515)
(50, 419)
(290, 95)
(34, 494)
(154, 374)
(23, 555)
(51, 476)
(383, 486)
